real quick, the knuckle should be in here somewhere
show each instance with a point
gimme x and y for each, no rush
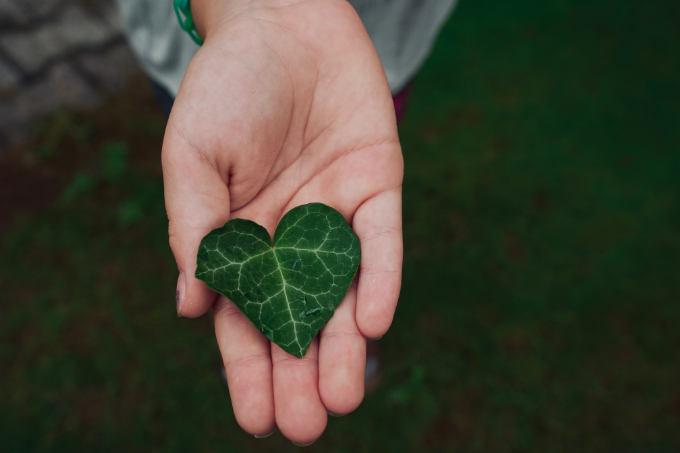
(343, 334)
(383, 231)
(378, 270)
(230, 364)
(226, 309)
(295, 362)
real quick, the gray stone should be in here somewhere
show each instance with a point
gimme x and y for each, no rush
(72, 30)
(10, 79)
(40, 37)
(111, 68)
(61, 88)
(41, 8)
(12, 12)
(110, 13)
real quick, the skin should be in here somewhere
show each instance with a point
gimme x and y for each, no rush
(287, 103)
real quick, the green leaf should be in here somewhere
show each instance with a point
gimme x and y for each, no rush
(288, 291)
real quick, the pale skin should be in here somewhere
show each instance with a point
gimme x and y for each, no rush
(287, 103)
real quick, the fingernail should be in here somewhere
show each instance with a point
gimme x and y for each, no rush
(181, 292)
(333, 415)
(376, 339)
(303, 445)
(264, 435)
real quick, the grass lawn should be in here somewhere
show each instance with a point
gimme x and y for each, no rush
(540, 304)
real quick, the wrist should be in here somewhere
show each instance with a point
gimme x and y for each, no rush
(203, 12)
(209, 14)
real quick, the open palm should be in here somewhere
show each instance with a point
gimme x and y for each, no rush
(284, 106)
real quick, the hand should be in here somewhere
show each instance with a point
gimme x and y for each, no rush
(287, 103)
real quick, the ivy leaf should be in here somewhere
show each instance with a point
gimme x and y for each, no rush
(288, 291)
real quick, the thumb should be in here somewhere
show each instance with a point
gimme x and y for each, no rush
(197, 201)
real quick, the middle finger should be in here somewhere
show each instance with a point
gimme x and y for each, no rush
(300, 414)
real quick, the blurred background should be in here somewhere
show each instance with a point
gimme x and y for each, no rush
(540, 305)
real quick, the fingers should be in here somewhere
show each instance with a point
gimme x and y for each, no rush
(248, 365)
(197, 201)
(300, 415)
(377, 222)
(355, 188)
(342, 359)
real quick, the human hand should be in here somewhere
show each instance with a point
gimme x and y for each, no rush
(287, 103)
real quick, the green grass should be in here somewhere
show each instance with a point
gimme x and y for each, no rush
(540, 304)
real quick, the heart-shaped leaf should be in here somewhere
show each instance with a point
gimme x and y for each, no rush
(289, 291)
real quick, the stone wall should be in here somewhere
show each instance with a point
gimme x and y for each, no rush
(56, 53)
